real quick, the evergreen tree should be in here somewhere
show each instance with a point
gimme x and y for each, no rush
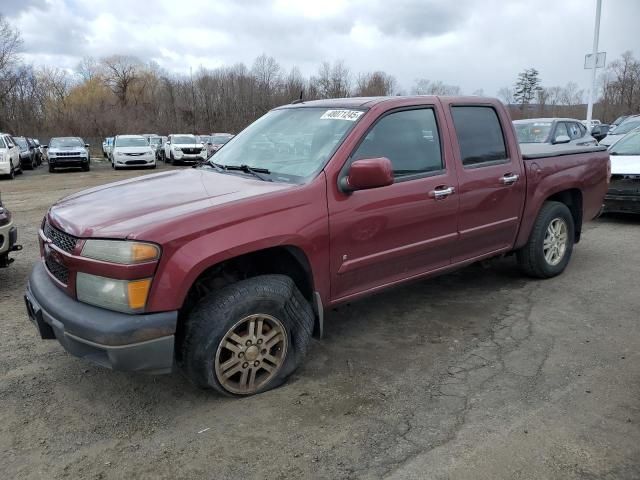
(527, 87)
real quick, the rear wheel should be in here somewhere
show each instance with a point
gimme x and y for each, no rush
(51, 168)
(550, 245)
(248, 337)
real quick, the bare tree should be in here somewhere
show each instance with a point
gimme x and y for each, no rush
(505, 94)
(423, 86)
(374, 84)
(121, 71)
(333, 81)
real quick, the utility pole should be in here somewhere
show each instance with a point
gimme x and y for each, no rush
(592, 90)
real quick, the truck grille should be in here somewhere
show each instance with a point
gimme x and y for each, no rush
(60, 272)
(62, 240)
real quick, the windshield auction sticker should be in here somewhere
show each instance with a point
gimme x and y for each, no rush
(350, 115)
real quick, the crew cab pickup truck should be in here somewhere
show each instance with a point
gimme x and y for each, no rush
(224, 270)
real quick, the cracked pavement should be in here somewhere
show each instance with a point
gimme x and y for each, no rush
(480, 374)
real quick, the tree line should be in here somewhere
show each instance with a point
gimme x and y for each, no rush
(119, 93)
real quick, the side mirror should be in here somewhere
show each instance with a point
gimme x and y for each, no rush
(561, 139)
(368, 173)
(86, 145)
(45, 146)
(209, 143)
(597, 130)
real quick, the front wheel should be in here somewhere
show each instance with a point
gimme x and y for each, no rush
(550, 245)
(248, 337)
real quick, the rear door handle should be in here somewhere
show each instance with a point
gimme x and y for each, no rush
(509, 179)
(441, 193)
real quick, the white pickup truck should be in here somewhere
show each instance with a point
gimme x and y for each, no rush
(183, 148)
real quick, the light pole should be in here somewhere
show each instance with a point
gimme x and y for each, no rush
(592, 90)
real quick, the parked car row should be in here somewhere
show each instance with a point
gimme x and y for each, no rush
(18, 153)
(175, 148)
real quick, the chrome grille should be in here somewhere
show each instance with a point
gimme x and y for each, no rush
(62, 240)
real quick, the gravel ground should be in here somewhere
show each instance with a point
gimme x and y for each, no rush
(481, 374)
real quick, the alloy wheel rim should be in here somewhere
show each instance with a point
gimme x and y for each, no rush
(555, 241)
(251, 354)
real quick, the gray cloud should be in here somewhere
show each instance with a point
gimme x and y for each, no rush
(468, 43)
(14, 7)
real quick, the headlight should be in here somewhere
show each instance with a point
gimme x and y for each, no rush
(51, 154)
(177, 149)
(129, 296)
(120, 251)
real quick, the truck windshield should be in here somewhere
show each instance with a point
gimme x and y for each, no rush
(532, 132)
(293, 144)
(131, 142)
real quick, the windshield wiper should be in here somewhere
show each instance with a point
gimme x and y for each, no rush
(255, 171)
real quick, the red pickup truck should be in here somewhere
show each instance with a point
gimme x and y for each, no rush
(224, 270)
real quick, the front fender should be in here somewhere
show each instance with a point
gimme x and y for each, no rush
(303, 224)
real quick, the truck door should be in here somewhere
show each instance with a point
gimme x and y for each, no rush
(384, 235)
(491, 182)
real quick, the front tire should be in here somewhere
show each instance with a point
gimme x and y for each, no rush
(248, 337)
(550, 244)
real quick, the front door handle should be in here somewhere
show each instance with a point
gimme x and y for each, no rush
(509, 179)
(441, 193)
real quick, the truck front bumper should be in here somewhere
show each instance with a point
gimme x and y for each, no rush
(120, 341)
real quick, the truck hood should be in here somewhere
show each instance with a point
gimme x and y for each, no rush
(125, 209)
(625, 164)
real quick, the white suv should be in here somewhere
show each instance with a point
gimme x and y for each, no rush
(9, 156)
(184, 148)
(132, 151)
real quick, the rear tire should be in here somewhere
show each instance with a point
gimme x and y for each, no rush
(51, 169)
(236, 316)
(550, 244)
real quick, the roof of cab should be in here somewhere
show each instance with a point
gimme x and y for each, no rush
(368, 102)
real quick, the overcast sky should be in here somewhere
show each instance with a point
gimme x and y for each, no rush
(471, 43)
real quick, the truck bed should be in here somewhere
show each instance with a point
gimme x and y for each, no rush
(532, 151)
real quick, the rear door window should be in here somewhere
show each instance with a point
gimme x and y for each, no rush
(480, 136)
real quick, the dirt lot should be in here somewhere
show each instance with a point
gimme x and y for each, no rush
(481, 374)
